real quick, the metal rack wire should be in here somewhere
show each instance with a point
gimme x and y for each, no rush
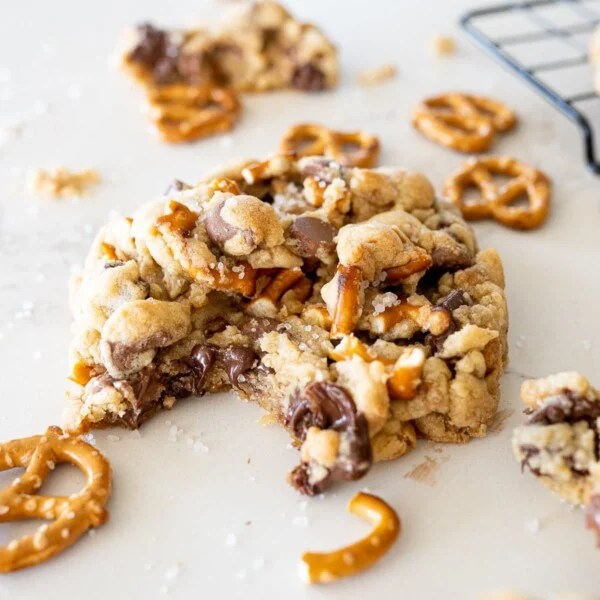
(567, 26)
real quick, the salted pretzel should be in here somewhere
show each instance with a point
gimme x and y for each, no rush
(351, 149)
(266, 303)
(464, 122)
(325, 567)
(70, 516)
(434, 319)
(183, 113)
(348, 306)
(405, 372)
(496, 201)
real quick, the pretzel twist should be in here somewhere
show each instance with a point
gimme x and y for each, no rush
(351, 149)
(464, 122)
(496, 201)
(183, 113)
(71, 516)
(324, 567)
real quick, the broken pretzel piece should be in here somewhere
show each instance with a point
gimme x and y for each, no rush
(348, 306)
(351, 149)
(266, 304)
(436, 320)
(325, 567)
(70, 516)
(184, 113)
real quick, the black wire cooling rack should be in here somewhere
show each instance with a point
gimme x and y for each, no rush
(546, 43)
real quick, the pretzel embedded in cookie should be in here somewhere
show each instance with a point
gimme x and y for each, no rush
(348, 306)
(184, 113)
(464, 122)
(71, 516)
(266, 303)
(436, 320)
(325, 567)
(496, 202)
(351, 149)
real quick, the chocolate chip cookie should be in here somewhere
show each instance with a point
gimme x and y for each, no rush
(349, 303)
(262, 47)
(560, 441)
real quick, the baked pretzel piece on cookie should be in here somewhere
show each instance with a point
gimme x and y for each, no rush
(349, 303)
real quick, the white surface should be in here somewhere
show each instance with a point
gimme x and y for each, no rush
(173, 511)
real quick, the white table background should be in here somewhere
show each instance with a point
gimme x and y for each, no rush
(173, 509)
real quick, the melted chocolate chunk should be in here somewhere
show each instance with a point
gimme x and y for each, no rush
(566, 408)
(321, 168)
(308, 78)
(236, 361)
(310, 234)
(156, 53)
(329, 406)
(593, 516)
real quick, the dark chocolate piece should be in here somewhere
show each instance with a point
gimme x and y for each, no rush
(309, 235)
(309, 78)
(329, 406)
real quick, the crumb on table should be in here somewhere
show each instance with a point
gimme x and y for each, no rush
(442, 45)
(61, 182)
(377, 75)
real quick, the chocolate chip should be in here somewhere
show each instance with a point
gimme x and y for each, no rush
(453, 300)
(309, 235)
(155, 52)
(236, 361)
(309, 78)
(329, 406)
(219, 230)
(566, 408)
(593, 515)
(177, 186)
(123, 356)
(452, 257)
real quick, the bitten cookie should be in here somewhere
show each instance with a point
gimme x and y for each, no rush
(349, 303)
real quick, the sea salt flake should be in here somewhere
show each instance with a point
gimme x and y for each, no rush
(113, 438)
(533, 526)
(300, 521)
(231, 540)
(258, 563)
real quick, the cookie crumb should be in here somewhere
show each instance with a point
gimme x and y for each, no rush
(377, 75)
(61, 182)
(267, 420)
(442, 45)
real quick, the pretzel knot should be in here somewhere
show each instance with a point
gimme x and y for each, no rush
(464, 122)
(71, 516)
(497, 202)
(183, 113)
(351, 149)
